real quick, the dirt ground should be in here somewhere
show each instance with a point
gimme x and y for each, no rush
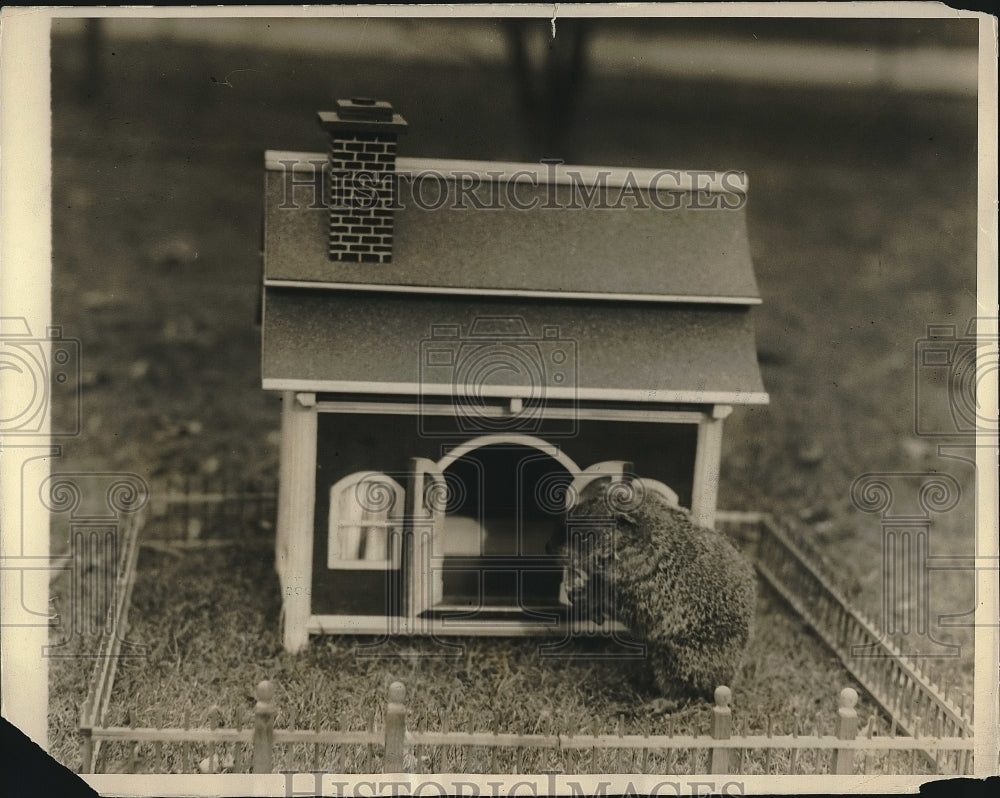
(861, 217)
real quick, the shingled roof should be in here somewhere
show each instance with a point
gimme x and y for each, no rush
(366, 342)
(649, 287)
(527, 229)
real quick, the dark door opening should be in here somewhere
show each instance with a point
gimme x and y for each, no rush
(506, 506)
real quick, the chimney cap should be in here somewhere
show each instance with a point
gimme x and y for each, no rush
(358, 114)
(364, 108)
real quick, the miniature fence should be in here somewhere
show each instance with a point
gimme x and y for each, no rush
(201, 512)
(194, 514)
(394, 748)
(896, 682)
(109, 647)
(180, 511)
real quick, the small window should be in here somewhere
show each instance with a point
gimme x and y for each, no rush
(366, 511)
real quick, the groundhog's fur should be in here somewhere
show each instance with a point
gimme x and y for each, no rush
(682, 589)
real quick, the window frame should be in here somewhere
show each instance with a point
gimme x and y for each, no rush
(391, 520)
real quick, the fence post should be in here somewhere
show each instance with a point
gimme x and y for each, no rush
(847, 729)
(87, 754)
(722, 728)
(263, 730)
(395, 729)
(87, 750)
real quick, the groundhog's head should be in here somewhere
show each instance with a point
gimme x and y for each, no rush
(607, 516)
(586, 594)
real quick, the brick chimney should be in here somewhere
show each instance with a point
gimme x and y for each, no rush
(361, 185)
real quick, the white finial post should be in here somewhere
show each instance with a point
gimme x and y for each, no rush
(395, 729)
(847, 729)
(722, 728)
(263, 731)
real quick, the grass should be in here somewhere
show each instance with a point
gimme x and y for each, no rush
(211, 636)
(862, 222)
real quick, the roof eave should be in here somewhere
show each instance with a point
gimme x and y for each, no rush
(583, 395)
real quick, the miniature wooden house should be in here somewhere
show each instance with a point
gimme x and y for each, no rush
(459, 345)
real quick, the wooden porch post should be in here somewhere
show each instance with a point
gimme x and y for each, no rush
(705, 490)
(296, 506)
(284, 487)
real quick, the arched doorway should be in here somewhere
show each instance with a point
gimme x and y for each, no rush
(505, 506)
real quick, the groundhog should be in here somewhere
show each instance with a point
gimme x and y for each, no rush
(682, 589)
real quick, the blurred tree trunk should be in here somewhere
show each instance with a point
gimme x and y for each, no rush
(92, 77)
(548, 100)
